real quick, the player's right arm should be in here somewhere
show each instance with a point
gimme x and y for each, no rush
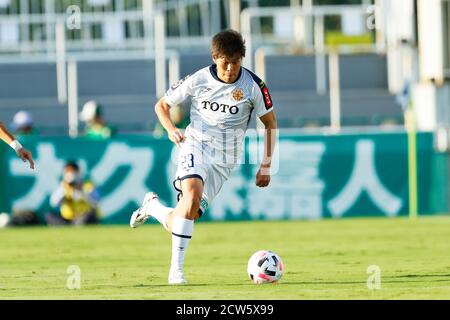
(177, 93)
(162, 109)
(23, 153)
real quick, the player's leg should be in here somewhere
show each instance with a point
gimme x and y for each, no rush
(167, 213)
(151, 206)
(181, 222)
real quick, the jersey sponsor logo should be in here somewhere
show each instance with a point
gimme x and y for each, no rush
(267, 98)
(176, 85)
(220, 107)
(264, 91)
(237, 94)
(205, 90)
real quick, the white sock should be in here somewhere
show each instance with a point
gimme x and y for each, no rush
(182, 230)
(158, 211)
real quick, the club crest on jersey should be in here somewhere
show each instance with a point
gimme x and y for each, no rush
(237, 94)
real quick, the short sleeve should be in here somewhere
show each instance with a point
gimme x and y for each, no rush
(180, 91)
(262, 101)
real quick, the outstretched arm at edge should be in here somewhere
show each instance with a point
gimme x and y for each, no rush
(23, 153)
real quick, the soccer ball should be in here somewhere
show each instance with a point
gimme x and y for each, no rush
(265, 266)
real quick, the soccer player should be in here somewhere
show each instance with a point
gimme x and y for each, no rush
(23, 153)
(223, 97)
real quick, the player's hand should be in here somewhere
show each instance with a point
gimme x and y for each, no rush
(26, 155)
(176, 136)
(263, 176)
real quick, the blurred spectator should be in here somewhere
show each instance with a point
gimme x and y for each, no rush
(76, 199)
(22, 124)
(178, 117)
(18, 218)
(95, 127)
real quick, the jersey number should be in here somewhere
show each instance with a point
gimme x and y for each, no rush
(188, 161)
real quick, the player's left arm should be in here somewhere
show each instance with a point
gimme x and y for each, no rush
(270, 123)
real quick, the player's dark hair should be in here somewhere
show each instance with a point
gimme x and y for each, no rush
(228, 43)
(72, 164)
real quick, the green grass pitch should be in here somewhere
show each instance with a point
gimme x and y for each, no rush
(326, 259)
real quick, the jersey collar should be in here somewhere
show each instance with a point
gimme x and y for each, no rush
(213, 71)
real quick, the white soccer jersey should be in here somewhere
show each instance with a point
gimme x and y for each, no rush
(220, 112)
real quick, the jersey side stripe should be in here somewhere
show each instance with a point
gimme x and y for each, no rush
(264, 90)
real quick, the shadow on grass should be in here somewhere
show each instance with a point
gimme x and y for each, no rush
(409, 278)
(305, 283)
(420, 276)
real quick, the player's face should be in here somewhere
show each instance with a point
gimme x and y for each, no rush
(228, 67)
(71, 176)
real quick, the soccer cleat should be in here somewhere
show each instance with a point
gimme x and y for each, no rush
(177, 277)
(140, 216)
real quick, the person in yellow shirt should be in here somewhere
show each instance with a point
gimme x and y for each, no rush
(75, 199)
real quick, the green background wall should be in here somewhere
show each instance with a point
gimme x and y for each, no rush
(317, 176)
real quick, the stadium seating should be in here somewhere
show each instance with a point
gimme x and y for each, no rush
(126, 89)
